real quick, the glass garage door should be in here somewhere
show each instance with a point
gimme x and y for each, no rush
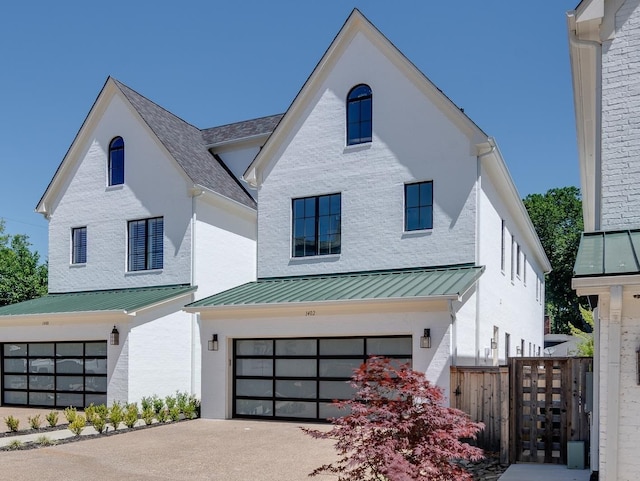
(56, 374)
(299, 378)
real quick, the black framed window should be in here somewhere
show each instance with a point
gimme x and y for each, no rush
(418, 206)
(55, 374)
(146, 244)
(359, 115)
(316, 225)
(116, 161)
(79, 245)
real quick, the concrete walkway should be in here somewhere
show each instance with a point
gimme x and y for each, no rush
(538, 472)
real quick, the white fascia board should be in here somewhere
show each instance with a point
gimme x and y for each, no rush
(82, 316)
(266, 310)
(496, 167)
(356, 23)
(236, 144)
(222, 201)
(187, 295)
(594, 285)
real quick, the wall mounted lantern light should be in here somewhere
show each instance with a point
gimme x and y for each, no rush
(494, 343)
(213, 343)
(518, 351)
(425, 340)
(114, 339)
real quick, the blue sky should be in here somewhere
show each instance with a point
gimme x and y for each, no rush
(213, 62)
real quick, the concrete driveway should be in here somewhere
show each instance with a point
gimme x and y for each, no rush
(202, 449)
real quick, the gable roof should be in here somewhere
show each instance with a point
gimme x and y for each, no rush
(183, 141)
(356, 23)
(230, 133)
(424, 283)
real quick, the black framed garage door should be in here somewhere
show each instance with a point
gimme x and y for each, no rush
(54, 374)
(299, 378)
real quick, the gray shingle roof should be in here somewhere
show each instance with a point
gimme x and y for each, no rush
(185, 143)
(241, 130)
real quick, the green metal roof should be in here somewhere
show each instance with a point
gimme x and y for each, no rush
(399, 284)
(119, 300)
(608, 253)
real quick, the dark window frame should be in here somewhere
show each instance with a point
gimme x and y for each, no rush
(116, 161)
(55, 357)
(424, 207)
(79, 245)
(143, 251)
(359, 115)
(314, 231)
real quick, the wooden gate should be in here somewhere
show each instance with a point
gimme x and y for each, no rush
(548, 407)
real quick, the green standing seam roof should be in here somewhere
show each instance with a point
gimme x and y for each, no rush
(119, 300)
(608, 254)
(398, 284)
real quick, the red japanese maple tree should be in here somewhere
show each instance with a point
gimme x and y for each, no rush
(397, 428)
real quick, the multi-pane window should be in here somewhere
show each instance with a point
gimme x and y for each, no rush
(359, 115)
(146, 244)
(316, 225)
(79, 245)
(513, 260)
(502, 247)
(518, 261)
(418, 206)
(116, 161)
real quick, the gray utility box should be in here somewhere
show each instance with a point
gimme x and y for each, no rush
(575, 454)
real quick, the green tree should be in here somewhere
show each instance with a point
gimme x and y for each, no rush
(22, 277)
(585, 348)
(557, 218)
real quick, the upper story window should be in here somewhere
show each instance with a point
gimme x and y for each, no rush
(145, 244)
(79, 245)
(418, 206)
(359, 115)
(116, 161)
(502, 247)
(316, 225)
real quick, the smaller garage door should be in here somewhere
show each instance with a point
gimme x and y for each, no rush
(299, 378)
(56, 374)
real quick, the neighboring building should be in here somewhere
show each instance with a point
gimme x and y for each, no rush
(387, 224)
(144, 217)
(605, 60)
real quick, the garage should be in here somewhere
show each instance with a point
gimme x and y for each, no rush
(292, 379)
(54, 374)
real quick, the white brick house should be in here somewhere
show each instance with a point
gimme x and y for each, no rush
(144, 217)
(605, 60)
(385, 216)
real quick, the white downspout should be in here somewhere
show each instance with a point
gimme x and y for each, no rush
(195, 339)
(492, 143)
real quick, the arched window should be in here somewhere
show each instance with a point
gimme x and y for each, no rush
(359, 115)
(116, 161)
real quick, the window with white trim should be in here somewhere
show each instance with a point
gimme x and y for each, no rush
(79, 245)
(146, 244)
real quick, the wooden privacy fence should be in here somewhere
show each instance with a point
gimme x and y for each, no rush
(530, 409)
(483, 393)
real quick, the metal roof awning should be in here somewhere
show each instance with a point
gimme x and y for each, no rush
(613, 253)
(425, 283)
(125, 301)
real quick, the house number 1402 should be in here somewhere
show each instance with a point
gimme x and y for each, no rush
(310, 313)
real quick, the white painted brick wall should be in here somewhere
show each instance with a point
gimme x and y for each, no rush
(621, 122)
(153, 187)
(413, 141)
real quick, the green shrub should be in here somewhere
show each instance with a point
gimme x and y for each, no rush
(195, 402)
(174, 413)
(70, 414)
(78, 424)
(12, 423)
(162, 415)
(189, 411)
(148, 415)
(131, 415)
(99, 424)
(158, 403)
(146, 403)
(102, 411)
(15, 444)
(90, 413)
(52, 418)
(182, 400)
(45, 441)
(170, 401)
(116, 415)
(34, 421)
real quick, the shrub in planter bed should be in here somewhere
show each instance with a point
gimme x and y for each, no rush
(34, 421)
(12, 423)
(116, 414)
(70, 414)
(78, 424)
(130, 417)
(52, 418)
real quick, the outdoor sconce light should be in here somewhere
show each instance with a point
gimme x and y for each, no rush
(425, 340)
(114, 339)
(494, 343)
(518, 351)
(213, 343)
